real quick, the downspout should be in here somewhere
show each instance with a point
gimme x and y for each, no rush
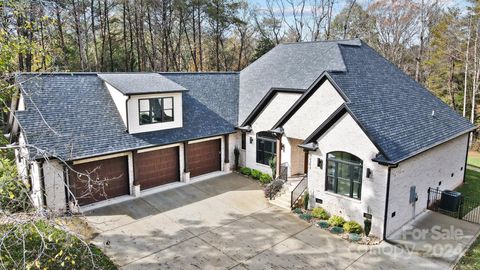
(42, 183)
(67, 186)
(466, 157)
(385, 219)
(126, 112)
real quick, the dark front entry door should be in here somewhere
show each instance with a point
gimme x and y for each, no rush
(305, 163)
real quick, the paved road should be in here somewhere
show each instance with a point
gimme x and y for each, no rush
(226, 223)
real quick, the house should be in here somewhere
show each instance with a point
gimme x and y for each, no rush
(370, 140)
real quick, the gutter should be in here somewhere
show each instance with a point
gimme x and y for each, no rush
(396, 162)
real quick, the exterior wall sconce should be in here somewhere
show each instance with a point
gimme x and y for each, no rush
(320, 163)
(251, 140)
(369, 172)
(283, 147)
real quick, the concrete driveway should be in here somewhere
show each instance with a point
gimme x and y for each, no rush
(226, 223)
(436, 236)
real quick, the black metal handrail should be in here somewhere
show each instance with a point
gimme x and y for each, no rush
(298, 191)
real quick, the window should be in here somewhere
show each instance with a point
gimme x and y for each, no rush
(155, 110)
(344, 174)
(266, 147)
(244, 140)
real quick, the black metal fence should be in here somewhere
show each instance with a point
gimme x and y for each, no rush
(298, 191)
(453, 204)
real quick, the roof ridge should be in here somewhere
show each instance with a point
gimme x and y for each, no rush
(199, 72)
(338, 41)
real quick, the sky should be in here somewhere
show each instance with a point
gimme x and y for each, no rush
(341, 3)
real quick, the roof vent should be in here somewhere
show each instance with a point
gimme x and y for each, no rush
(433, 113)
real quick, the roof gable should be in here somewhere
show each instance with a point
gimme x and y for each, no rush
(295, 65)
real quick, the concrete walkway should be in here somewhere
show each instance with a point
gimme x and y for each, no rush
(226, 223)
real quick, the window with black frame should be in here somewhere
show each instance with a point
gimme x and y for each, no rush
(344, 174)
(266, 147)
(244, 141)
(155, 110)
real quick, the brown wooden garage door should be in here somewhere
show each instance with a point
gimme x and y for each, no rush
(108, 179)
(155, 168)
(203, 157)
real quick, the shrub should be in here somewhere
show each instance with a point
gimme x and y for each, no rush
(245, 171)
(265, 178)
(13, 191)
(336, 221)
(354, 237)
(297, 211)
(368, 226)
(273, 188)
(273, 166)
(323, 224)
(336, 230)
(306, 198)
(256, 174)
(306, 216)
(319, 212)
(352, 227)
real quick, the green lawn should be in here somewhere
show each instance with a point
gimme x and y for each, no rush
(473, 159)
(471, 188)
(42, 246)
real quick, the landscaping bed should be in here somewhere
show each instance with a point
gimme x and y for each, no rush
(348, 230)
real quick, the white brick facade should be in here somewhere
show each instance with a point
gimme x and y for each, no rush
(345, 135)
(275, 109)
(442, 164)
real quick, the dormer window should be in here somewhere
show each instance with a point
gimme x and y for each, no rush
(155, 110)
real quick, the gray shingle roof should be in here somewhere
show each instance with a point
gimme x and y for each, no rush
(291, 65)
(85, 122)
(394, 110)
(140, 83)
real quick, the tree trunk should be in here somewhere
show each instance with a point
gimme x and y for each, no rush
(450, 84)
(465, 84)
(110, 47)
(78, 33)
(200, 49)
(124, 23)
(60, 32)
(94, 37)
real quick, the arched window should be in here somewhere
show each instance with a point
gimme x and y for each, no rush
(266, 147)
(344, 174)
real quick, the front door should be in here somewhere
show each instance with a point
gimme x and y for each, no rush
(305, 163)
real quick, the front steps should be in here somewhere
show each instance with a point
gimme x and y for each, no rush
(283, 198)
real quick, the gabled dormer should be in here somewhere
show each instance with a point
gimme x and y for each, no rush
(146, 101)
